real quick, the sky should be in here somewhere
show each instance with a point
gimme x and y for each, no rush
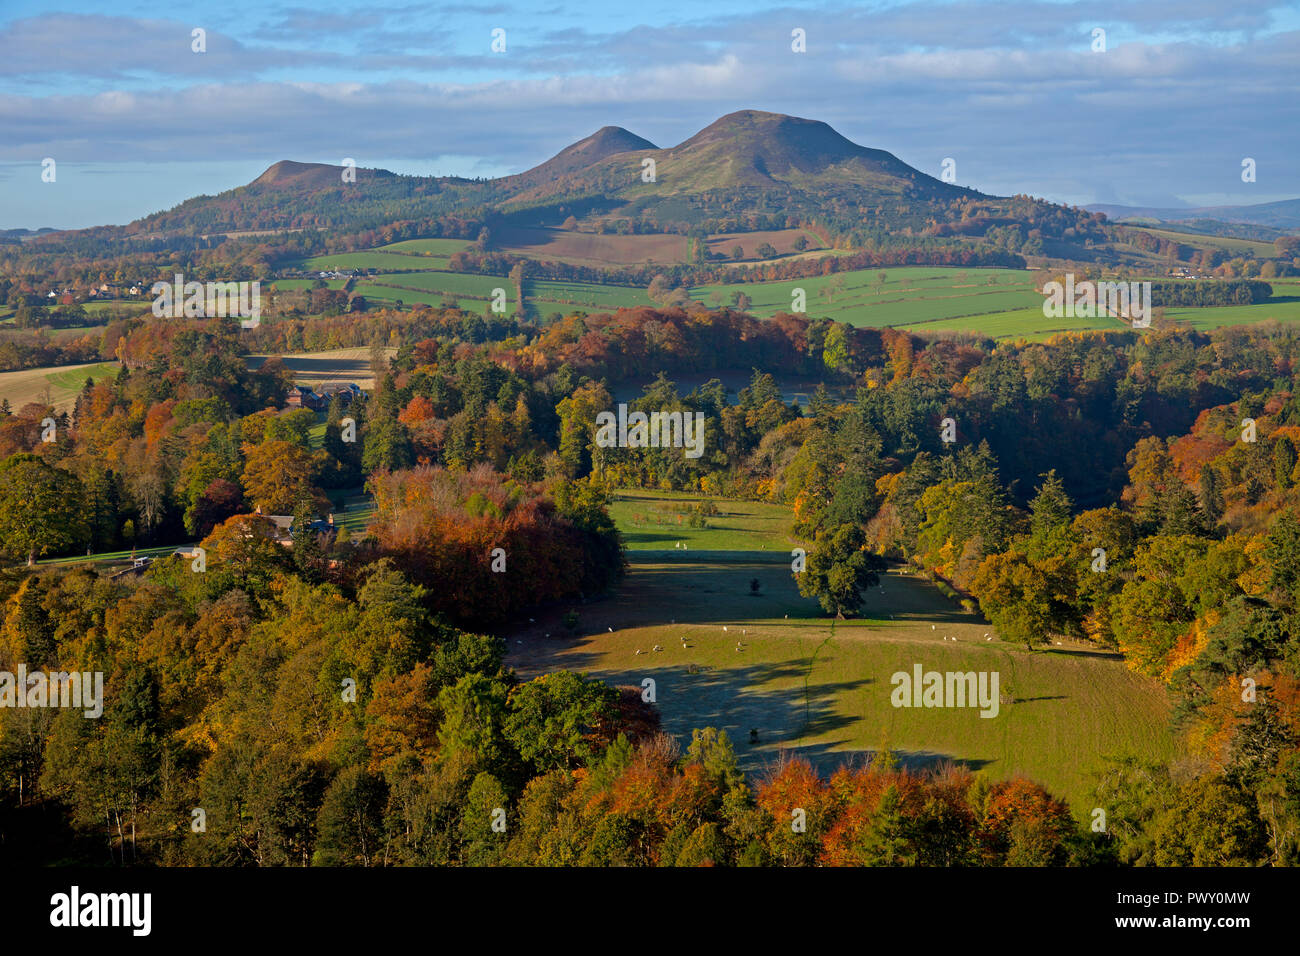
(1016, 93)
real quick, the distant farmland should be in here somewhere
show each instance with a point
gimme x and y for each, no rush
(908, 294)
(589, 248)
(59, 385)
(332, 367)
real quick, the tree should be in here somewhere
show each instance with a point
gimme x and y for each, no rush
(767, 251)
(41, 508)
(277, 473)
(835, 348)
(1050, 508)
(350, 824)
(839, 567)
(555, 719)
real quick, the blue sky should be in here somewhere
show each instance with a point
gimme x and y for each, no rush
(137, 122)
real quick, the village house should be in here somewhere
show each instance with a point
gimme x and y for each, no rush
(304, 396)
(284, 526)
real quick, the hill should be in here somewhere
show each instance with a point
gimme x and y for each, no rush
(747, 161)
(744, 163)
(1283, 215)
(605, 142)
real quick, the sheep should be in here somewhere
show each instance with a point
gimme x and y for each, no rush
(658, 647)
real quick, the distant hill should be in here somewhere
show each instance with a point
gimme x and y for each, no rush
(605, 142)
(742, 154)
(287, 173)
(746, 162)
(1283, 215)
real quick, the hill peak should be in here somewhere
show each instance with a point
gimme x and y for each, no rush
(288, 169)
(800, 140)
(287, 172)
(605, 142)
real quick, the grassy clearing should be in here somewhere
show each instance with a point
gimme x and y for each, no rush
(828, 697)
(657, 521)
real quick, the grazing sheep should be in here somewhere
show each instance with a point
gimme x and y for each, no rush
(638, 650)
(658, 647)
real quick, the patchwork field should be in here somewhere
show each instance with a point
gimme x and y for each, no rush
(589, 248)
(768, 661)
(473, 293)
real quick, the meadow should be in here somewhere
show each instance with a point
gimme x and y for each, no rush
(769, 661)
(659, 521)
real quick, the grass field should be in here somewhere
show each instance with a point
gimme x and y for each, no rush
(908, 295)
(59, 386)
(427, 248)
(656, 521)
(287, 284)
(828, 697)
(473, 293)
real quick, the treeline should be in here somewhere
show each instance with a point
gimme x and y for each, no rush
(1198, 294)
